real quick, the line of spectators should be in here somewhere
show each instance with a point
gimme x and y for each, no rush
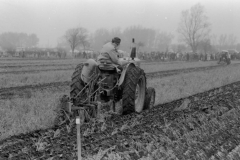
(149, 56)
(172, 56)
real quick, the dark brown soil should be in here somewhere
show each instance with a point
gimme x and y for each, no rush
(202, 126)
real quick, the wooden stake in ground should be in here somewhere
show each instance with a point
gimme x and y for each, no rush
(78, 138)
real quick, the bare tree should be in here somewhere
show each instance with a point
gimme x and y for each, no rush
(213, 39)
(9, 41)
(140, 45)
(181, 48)
(222, 41)
(139, 33)
(85, 44)
(193, 26)
(76, 37)
(116, 32)
(238, 47)
(232, 39)
(32, 40)
(100, 37)
(214, 42)
(205, 46)
(163, 41)
(227, 41)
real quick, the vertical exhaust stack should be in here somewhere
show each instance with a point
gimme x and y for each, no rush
(133, 50)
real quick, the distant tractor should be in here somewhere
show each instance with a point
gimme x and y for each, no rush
(121, 90)
(224, 57)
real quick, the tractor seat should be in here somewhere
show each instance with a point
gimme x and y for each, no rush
(105, 64)
(108, 65)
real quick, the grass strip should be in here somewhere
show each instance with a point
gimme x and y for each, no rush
(22, 115)
(184, 85)
(14, 80)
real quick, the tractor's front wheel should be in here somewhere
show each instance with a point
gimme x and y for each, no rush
(228, 60)
(134, 88)
(150, 98)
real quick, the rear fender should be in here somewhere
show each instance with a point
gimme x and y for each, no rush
(122, 77)
(88, 70)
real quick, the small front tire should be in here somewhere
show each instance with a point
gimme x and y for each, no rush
(150, 98)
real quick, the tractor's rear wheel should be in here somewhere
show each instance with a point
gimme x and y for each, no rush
(62, 115)
(77, 85)
(134, 88)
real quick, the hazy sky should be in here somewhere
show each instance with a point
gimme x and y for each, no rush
(49, 19)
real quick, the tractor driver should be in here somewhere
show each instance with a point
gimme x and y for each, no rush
(110, 55)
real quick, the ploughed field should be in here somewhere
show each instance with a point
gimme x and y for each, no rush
(202, 126)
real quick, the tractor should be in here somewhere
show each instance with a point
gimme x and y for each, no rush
(108, 88)
(225, 57)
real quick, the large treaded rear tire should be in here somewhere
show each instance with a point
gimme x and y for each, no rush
(132, 78)
(76, 84)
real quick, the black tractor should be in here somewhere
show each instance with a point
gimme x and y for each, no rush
(224, 58)
(101, 87)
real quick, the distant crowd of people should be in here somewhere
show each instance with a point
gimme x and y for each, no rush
(185, 56)
(35, 54)
(149, 56)
(166, 56)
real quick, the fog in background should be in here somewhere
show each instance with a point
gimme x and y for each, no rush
(49, 19)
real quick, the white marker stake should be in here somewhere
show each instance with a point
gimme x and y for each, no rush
(78, 138)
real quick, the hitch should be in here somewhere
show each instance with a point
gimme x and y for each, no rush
(82, 112)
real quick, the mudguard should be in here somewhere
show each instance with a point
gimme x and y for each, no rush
(88, 70)
(122, 77)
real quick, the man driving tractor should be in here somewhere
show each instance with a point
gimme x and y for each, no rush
(109, 83)
(109, 53)
(109, 57)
